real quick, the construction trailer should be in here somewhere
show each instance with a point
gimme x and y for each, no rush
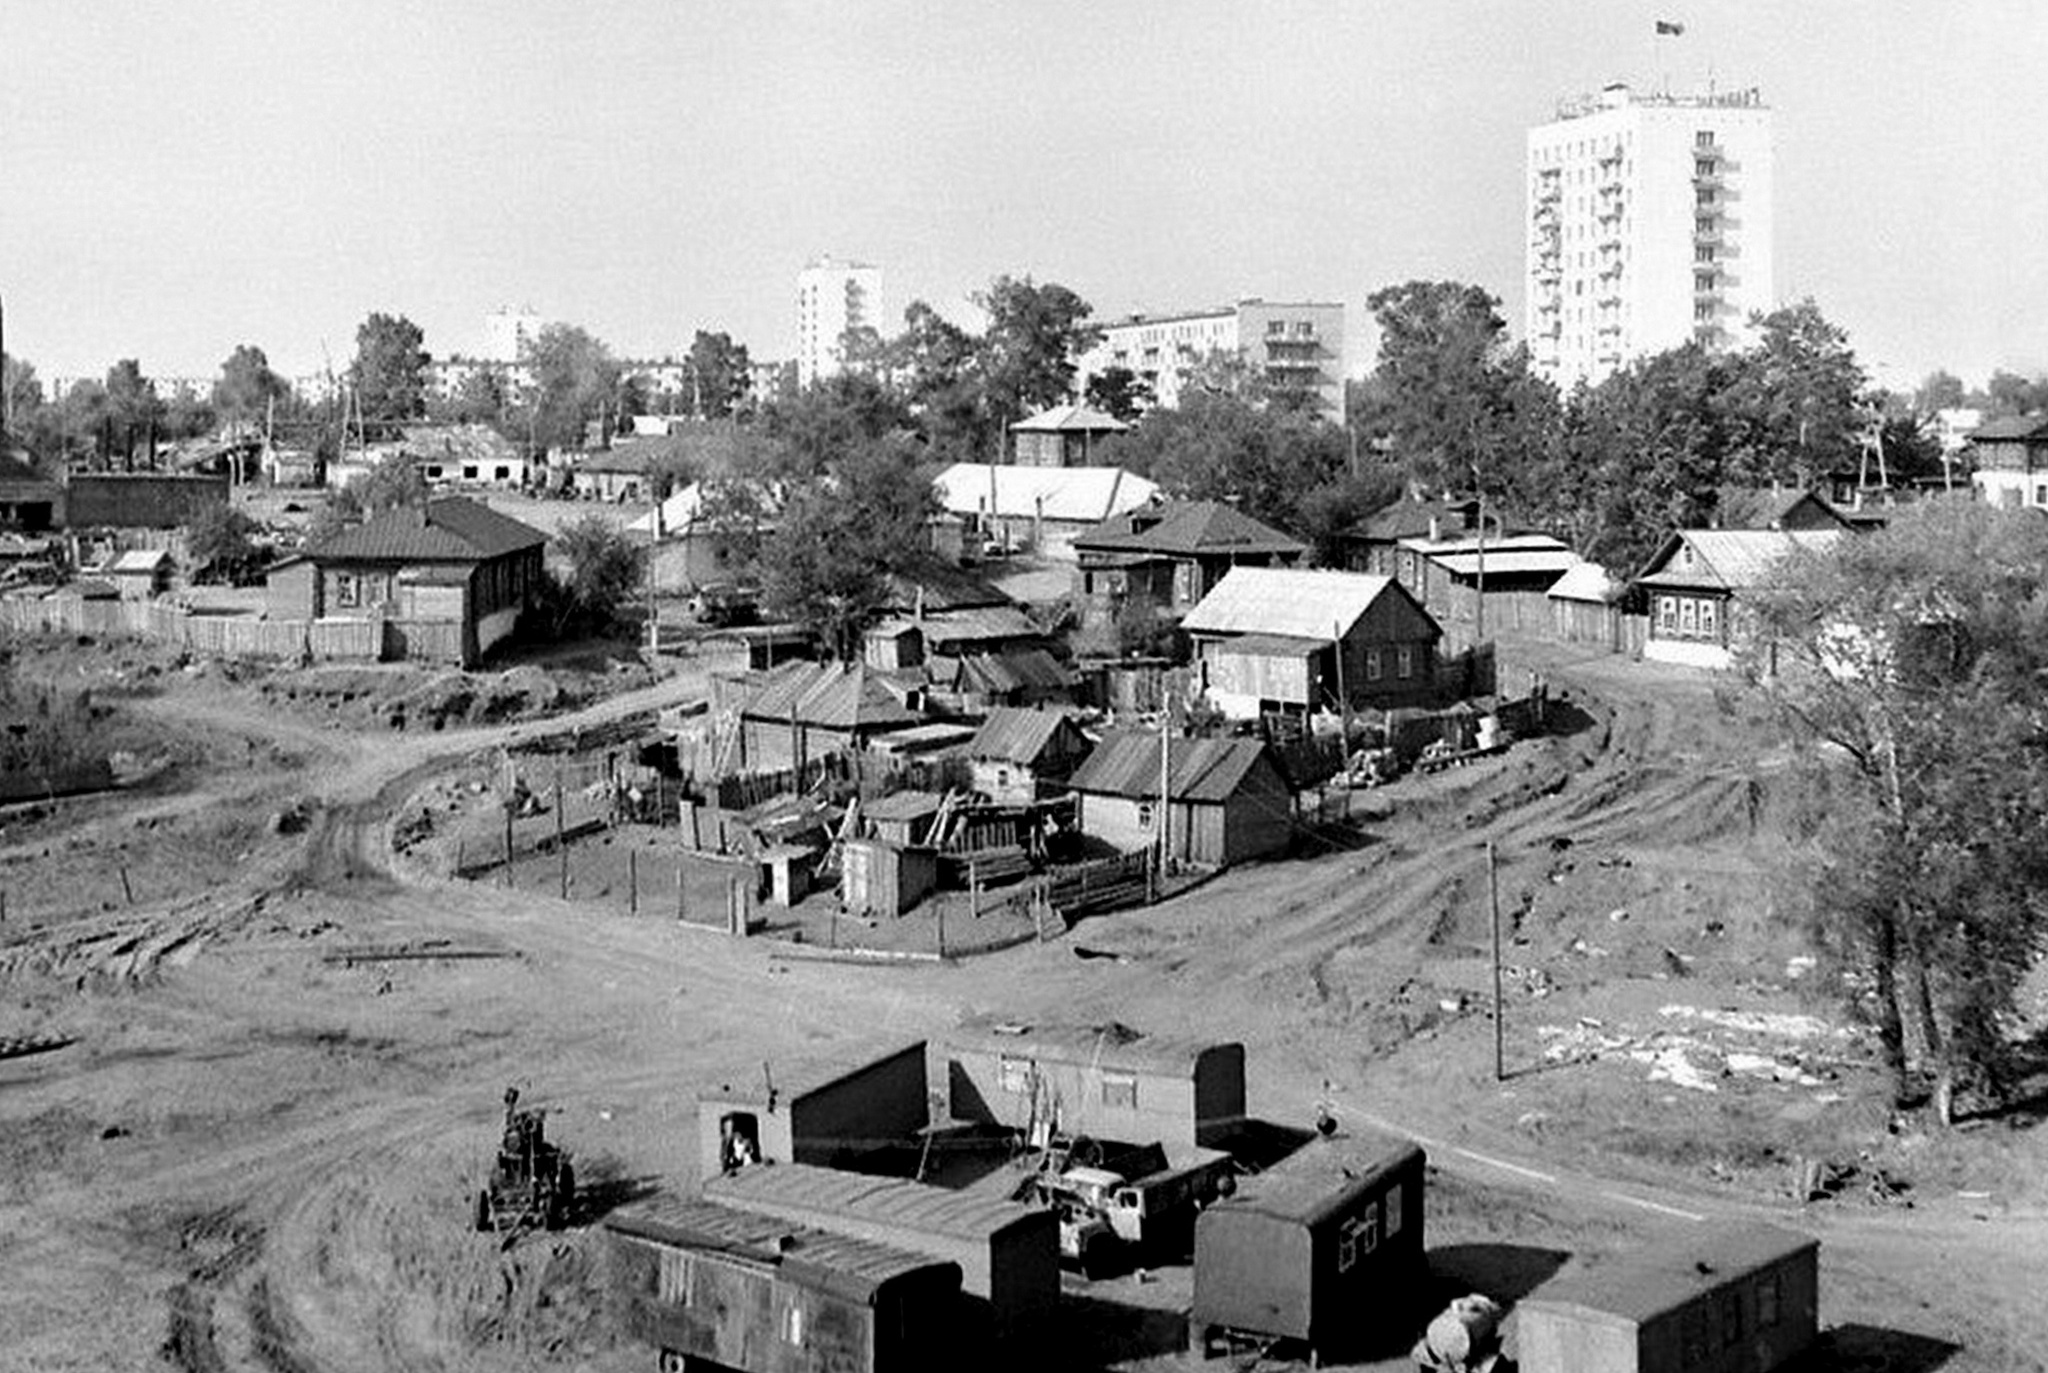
(830, 1113)
(1324, 1249)
(709, 1286)
(1008, 1253)
(1731, 1297)
(1103, 1081)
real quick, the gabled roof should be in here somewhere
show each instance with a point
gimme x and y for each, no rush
(1196, 769)
(1015, 669)
(478, 442)
(2010, 428)
(1189, 529)
(828, 696)
(1113, 1045)
(1017, 736)
(449, 529)
(1407, 519)
(1300, 603)
(1068, 494)
(945, 588)
(687, 505)
(1071, 419)
(1640, 1286)
(1585, 581)
(1744, 507)
(975, 624)
(1730, 559)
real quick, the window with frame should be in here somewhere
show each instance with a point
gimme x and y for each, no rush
(1688, 615)
(1373, 668)
(1013, 1074)
(1667, 613)
(1767, 1301)
(672, 1277)
(1404, 661)
(1710, 615)
(348, 589)
(1145, 817)
(1120, 1090)
(1393, 1205)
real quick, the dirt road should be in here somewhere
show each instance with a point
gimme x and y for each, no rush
(255, 1159)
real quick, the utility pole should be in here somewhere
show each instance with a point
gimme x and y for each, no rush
(1500, 1069)
(1165, 798)
(1343, 696)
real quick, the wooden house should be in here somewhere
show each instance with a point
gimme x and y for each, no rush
(1008, 1253)
(1169, 556)
(1225, 800)
(1373, 544)
(1512, 573)
(1018, 756)
(1693, 587)
(1747, 507)
(712, 1287)
(801, 711)
(827, 1112)
(1106, 1081)
(1285, 640)
(1729, 1297)
(1035, 509)
(141, 574)
(2010, 462)
(1064, 436)
(881, 877)
(1324, 1248)
(449, 579)
(1586, 608)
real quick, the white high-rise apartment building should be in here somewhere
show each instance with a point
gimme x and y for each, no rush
(508, 330)
(832, 296)
(1649, 226)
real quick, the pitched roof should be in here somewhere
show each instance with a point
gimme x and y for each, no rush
(1075, 418)
(1015, 735)
(1643, 1285)
(814, 1258)
(1112, 1045)
(1301, 603)
(475, 441)
(1585, 581)
(897, 1203)
(449, 529)
(1408, 519)
(1189, 529)
(828, 696)
(1322, 1177)
(1016, 669)
(686, 506)
(138, 560)
(2011, 427)
(1731, 559)
(904, 805)
(1070, 494)
(1196, 769)
(974, 624)
(945, 587)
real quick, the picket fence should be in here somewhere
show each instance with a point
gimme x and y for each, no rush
(235, 636)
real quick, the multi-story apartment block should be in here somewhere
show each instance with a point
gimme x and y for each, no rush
(1649, 221)
(508, 330)
(833, 296)
(1297, 346)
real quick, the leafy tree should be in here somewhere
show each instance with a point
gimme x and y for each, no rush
(1794, 401)
(479, 399)
(720, 375)
(390, 369)
(1218, 445)
(247, 387)
(21, 394)
(1027, 355)
(575, 383)
(605, 570)
(1938, 390)
(221, 542)
(935, 366)
(1325, 514)
(393, 481)
(1910, 660)
(1119, 393)
(133, 410)
(837, 415)
(2008, 393)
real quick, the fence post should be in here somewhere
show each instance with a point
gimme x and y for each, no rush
(632, 881)
(561, 848)
(509, 881)
(681, 909)
(127, 890)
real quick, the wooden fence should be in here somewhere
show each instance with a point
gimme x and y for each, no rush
(236, 636)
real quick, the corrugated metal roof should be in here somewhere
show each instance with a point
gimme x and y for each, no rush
(828, 696)
(1732, 559)
(1323, 1175)
(1077, 418)
(1188, 529)
(944, 587)
(904, 805)
(804, 1254)
(1672, 1272)
(972, 624)
(452, 528)
(1300, 603)
(1507, 562)
(1585, 581)
(1015, 735)
(1016, 669)
(1113, 1046)
(1069, 494)
(139, 560)
(1196, 769)
(828, 1193)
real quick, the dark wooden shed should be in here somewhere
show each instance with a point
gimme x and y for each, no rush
(702, 1282)
(1733, 1297)
(827, 1112)
(1324, 1248)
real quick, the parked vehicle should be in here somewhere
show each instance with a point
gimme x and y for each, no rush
(532, 1182)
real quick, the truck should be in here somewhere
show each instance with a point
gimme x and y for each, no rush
(1152, 1216)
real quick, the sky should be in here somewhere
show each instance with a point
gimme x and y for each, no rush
(176, 180)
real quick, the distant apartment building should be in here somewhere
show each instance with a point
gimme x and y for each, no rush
(509, 331)
(1649, 220)
(1297, 346)
(833, 296)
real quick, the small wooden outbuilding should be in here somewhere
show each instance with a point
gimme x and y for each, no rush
(1019, 755)
(1224, 800)
(141, 574)
(883, 878)
(709, 1286)
(1734, 1297)
(1324, 1248)
(825, 1113)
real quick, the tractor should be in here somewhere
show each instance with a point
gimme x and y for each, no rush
(532, 1183)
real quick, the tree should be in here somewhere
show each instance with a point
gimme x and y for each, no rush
(1795, 401)
(21, 395)
(1909, 661)
(1119, 393)
(811, 430)
(247, 387)
(479, 399)
(720, 375)
(133, 410)
(1218, 445)
(389, 373)
(935, 366)
(1027, 355)
(2008, 393)
(392, 482)
(221, 543)
(1938, 390)
(575, 383)
(605, 569)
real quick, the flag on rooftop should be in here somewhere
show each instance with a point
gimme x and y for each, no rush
(1670, 26)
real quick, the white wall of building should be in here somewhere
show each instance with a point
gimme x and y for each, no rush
(833, 296)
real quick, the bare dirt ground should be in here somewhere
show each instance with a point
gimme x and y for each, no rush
(255, 1155)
